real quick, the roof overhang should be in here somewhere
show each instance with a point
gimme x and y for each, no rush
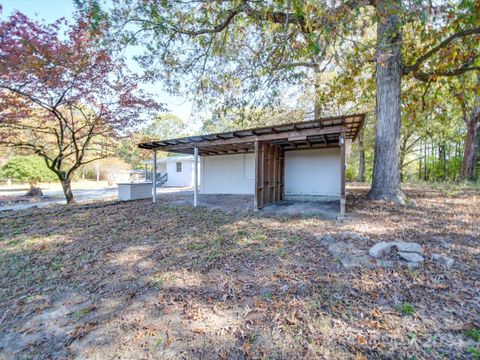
(320, 133)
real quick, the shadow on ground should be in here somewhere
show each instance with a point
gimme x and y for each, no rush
(172, 281)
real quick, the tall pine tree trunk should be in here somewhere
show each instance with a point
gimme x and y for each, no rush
(386, 169)
(467, 171)
(361, 158)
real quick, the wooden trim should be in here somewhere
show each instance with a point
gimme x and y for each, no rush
(252, 138)
(269, 174)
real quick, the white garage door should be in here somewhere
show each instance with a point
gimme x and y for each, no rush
(313, 172)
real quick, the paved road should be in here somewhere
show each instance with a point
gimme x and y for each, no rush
(80, 195)
(57, 197)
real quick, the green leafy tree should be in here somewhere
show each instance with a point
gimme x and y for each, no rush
(29, 169)
(245, 118)
(242, 51)
(128, 150)
(166, 126)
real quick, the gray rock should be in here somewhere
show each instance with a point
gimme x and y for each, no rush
(343, 248)
(411, 257)
(349, 255)
(443, 260)
(352, 261)
(386, 263)
(413, 265)
(327, 239)
(411, 247)
(380, 249)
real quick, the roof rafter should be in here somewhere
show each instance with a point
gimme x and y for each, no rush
(242, 141)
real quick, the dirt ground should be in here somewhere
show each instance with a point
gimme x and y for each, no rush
(167, 281)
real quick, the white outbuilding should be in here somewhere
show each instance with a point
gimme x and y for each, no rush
(303, 160)
(176, 171)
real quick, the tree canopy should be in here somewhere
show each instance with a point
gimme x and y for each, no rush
(235, 54)
(63, 96)
(30, 169)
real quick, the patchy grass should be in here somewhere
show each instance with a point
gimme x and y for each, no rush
(406, 308)
(473, 334)
(475, 352)
(114, 280)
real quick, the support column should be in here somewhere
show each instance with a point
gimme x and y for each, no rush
(282, 175)
(257, 202)
(343, 166)
(195, 177)
(268, 174)
(154, 176)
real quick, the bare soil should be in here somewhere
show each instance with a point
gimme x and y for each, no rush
(167, 281)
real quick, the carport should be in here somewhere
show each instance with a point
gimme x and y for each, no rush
(267, 149)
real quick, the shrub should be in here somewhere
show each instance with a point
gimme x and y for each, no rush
(350, 174)
(30, 169)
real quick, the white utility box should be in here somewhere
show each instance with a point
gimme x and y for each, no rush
(134, 191)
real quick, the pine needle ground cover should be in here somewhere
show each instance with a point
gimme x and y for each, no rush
(133, 280)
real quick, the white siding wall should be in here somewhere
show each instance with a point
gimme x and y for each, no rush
(228, 174)
(183, 178)
(162, 168)
(312, 172)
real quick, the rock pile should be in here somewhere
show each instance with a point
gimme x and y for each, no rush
(443, 260)
(387, 254)
(412, 253)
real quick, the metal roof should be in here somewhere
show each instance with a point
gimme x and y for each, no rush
(324, 132)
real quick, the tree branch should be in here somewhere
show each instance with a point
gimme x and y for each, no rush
(414, 67)
(219, 28)
(422, 76)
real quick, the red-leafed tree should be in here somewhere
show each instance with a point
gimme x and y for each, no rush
(63, 96)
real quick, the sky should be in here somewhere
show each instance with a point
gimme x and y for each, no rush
(51, 10)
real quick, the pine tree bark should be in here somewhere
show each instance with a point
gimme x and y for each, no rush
(467, 171)
(386, 169)
(361, 158)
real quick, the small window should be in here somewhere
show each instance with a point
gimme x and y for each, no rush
(179, 167)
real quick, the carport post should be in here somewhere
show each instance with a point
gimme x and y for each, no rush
(195, 177)
(343, 166)
(154, 176)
